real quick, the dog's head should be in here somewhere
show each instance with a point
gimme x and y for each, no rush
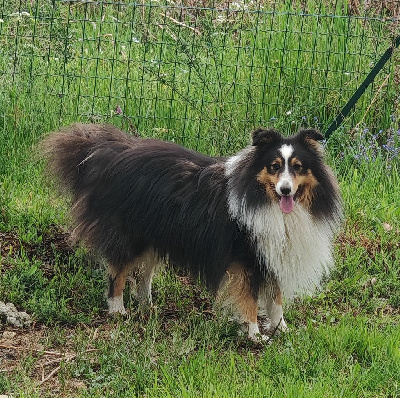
(288, 168)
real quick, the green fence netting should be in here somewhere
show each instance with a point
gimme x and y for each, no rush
(198, 70)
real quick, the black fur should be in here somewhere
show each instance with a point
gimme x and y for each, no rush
(132, 194)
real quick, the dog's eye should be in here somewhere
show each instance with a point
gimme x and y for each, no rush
(275, 166)
(297, 167)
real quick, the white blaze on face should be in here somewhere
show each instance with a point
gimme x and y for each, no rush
(284, 187)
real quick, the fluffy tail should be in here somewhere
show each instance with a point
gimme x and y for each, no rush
(67, 150)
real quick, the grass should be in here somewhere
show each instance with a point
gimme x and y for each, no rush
(204, 84)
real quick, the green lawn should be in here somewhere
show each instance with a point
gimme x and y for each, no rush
(204, 78)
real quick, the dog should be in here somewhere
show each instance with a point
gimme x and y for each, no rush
(254, 226)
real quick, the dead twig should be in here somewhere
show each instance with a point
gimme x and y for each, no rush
(58, 368)
(61, 357)
(50, 375)
(11, 347)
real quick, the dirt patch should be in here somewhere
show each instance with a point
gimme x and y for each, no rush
(28, 352)
(371, 246)
(54, 242)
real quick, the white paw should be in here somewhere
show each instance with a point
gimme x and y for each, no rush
(261, 338)
(116, 305)
(256, 335)
(282, 327)
(273, 328)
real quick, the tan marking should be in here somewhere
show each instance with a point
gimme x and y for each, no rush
(278, 161)
(295, 161)
(235, 289)
(118, 280)
(269, 181)
(278, 296)
(307, 182)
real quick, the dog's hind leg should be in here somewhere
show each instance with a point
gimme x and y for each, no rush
(235, 293)
(270, 306)
(140, 272)
(142, 276)
(116, 284)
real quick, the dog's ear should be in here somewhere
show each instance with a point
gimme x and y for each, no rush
(311, 138)
(310, 135)
(263, 136)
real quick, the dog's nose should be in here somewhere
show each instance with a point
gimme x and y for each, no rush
(285, 191)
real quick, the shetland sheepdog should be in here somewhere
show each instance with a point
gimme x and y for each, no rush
(255, 226)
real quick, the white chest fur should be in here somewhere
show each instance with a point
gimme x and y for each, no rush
(294, 246)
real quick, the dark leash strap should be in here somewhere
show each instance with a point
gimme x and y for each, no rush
(360, 91)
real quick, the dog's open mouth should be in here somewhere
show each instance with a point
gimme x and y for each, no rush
(286, 204)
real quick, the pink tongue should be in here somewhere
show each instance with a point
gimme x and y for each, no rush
(286, 203)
